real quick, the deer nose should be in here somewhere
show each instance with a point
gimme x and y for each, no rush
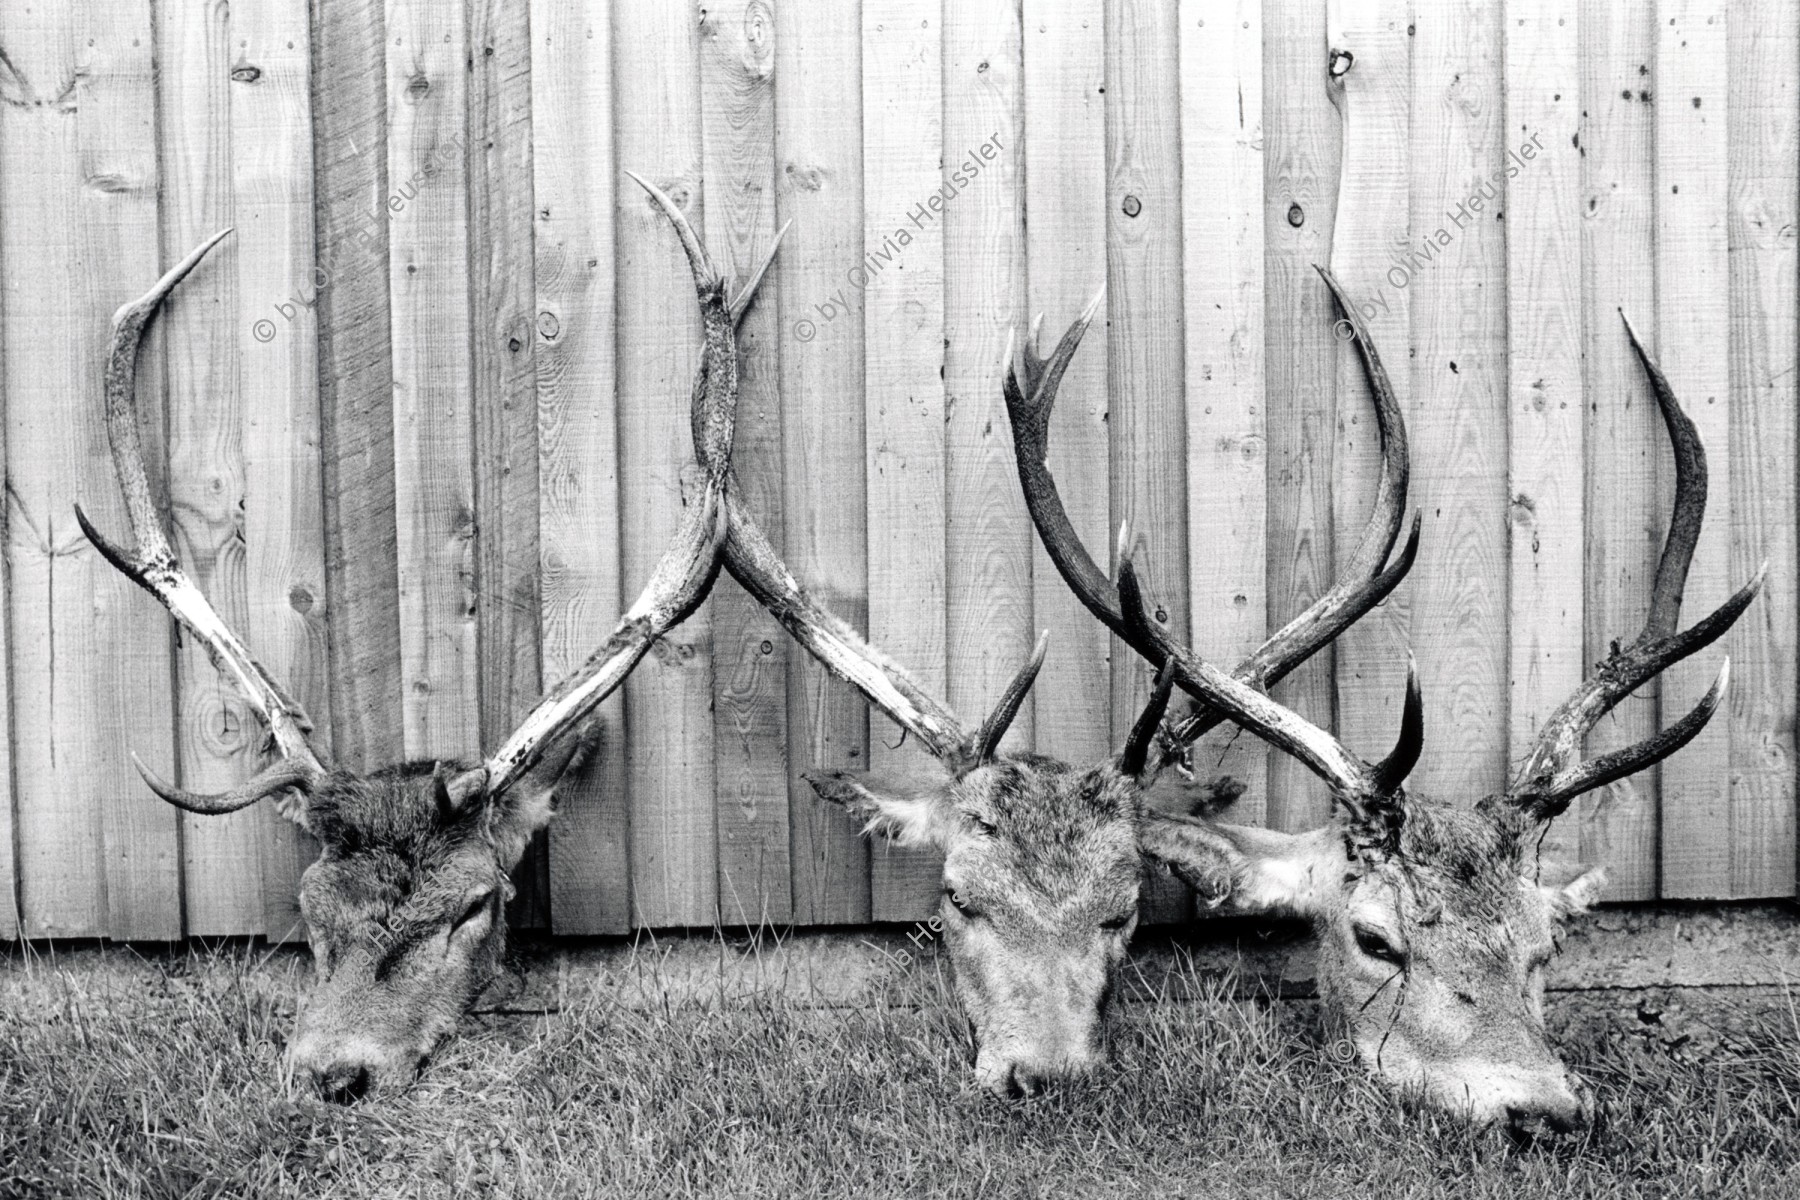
(1569, 1112)
(344, 1083)
(1022, 1082)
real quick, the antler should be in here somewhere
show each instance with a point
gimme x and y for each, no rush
(1236, 696)
(1552, 774)
(154, 568)
(685, 572)
(753, 562)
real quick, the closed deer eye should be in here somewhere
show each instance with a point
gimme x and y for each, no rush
(961, 904)
(1375, 945)
(477, 908)
(1116, 923)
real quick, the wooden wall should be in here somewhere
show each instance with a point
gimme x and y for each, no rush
(421, 421)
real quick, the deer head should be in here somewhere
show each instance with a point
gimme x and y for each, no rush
(404, 905)
(1433, 929)
(1041, 865)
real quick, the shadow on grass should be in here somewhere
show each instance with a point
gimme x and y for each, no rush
(163, 1078)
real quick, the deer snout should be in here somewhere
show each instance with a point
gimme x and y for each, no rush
(1567, 1109)
(343, 1071)
(1025, 1077)
(345, 1083)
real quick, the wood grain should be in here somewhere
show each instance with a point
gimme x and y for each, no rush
(1457, 419)
(819, 186)
(90, 658)
(1369, 49)
(1145, 377)
(903, 329)
(1301, 155)
(987, 538)
(668, 700)
(1227, 462)
(1764, 167)
(574, 177)
(218, 737)
(429, 294)
(113, 687)
(750, 650)
(502, 300)
(356, 382)
(284, 523)
(1546, 412)
(1625, 439)
(1065, 255)
(1693, 304)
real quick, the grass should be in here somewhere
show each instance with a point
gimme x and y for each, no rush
(161, 1077)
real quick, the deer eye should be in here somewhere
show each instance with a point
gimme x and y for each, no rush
(1116, 923)
(1372, 943)
(477, 907)
(961, 903)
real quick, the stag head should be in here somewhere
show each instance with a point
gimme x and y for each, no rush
(1040, 896)
(403, 907)
(1433, 927)
(404, 911)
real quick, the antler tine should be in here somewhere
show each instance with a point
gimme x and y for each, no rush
(689, 564)
(154, 567)
(1552, 774)
(987, 737)
(1136, 754)
(277, 777)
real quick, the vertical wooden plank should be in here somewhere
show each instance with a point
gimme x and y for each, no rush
(356, 393)
(90, 662)
(1227, 485)
(1547, 513)
(903, 327)
(218, 739)
(502, 299)
(750, 650)
(1144, 338)
(578, 445)
(1693, 304)
(1300, 125)
(1369, 65)
(125, 658)
(284, 535)
(1764, 165)
(1624, 435)
(429, 293)
(1455, 267)
(818, 130)
(987, 556)
(668, 700)
(1065, 254)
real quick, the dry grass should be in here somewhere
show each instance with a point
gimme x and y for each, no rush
(171, 1087)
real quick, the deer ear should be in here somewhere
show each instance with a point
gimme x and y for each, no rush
(908, 813)
(1248, 870)
(528, 804)
(1578, 895)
